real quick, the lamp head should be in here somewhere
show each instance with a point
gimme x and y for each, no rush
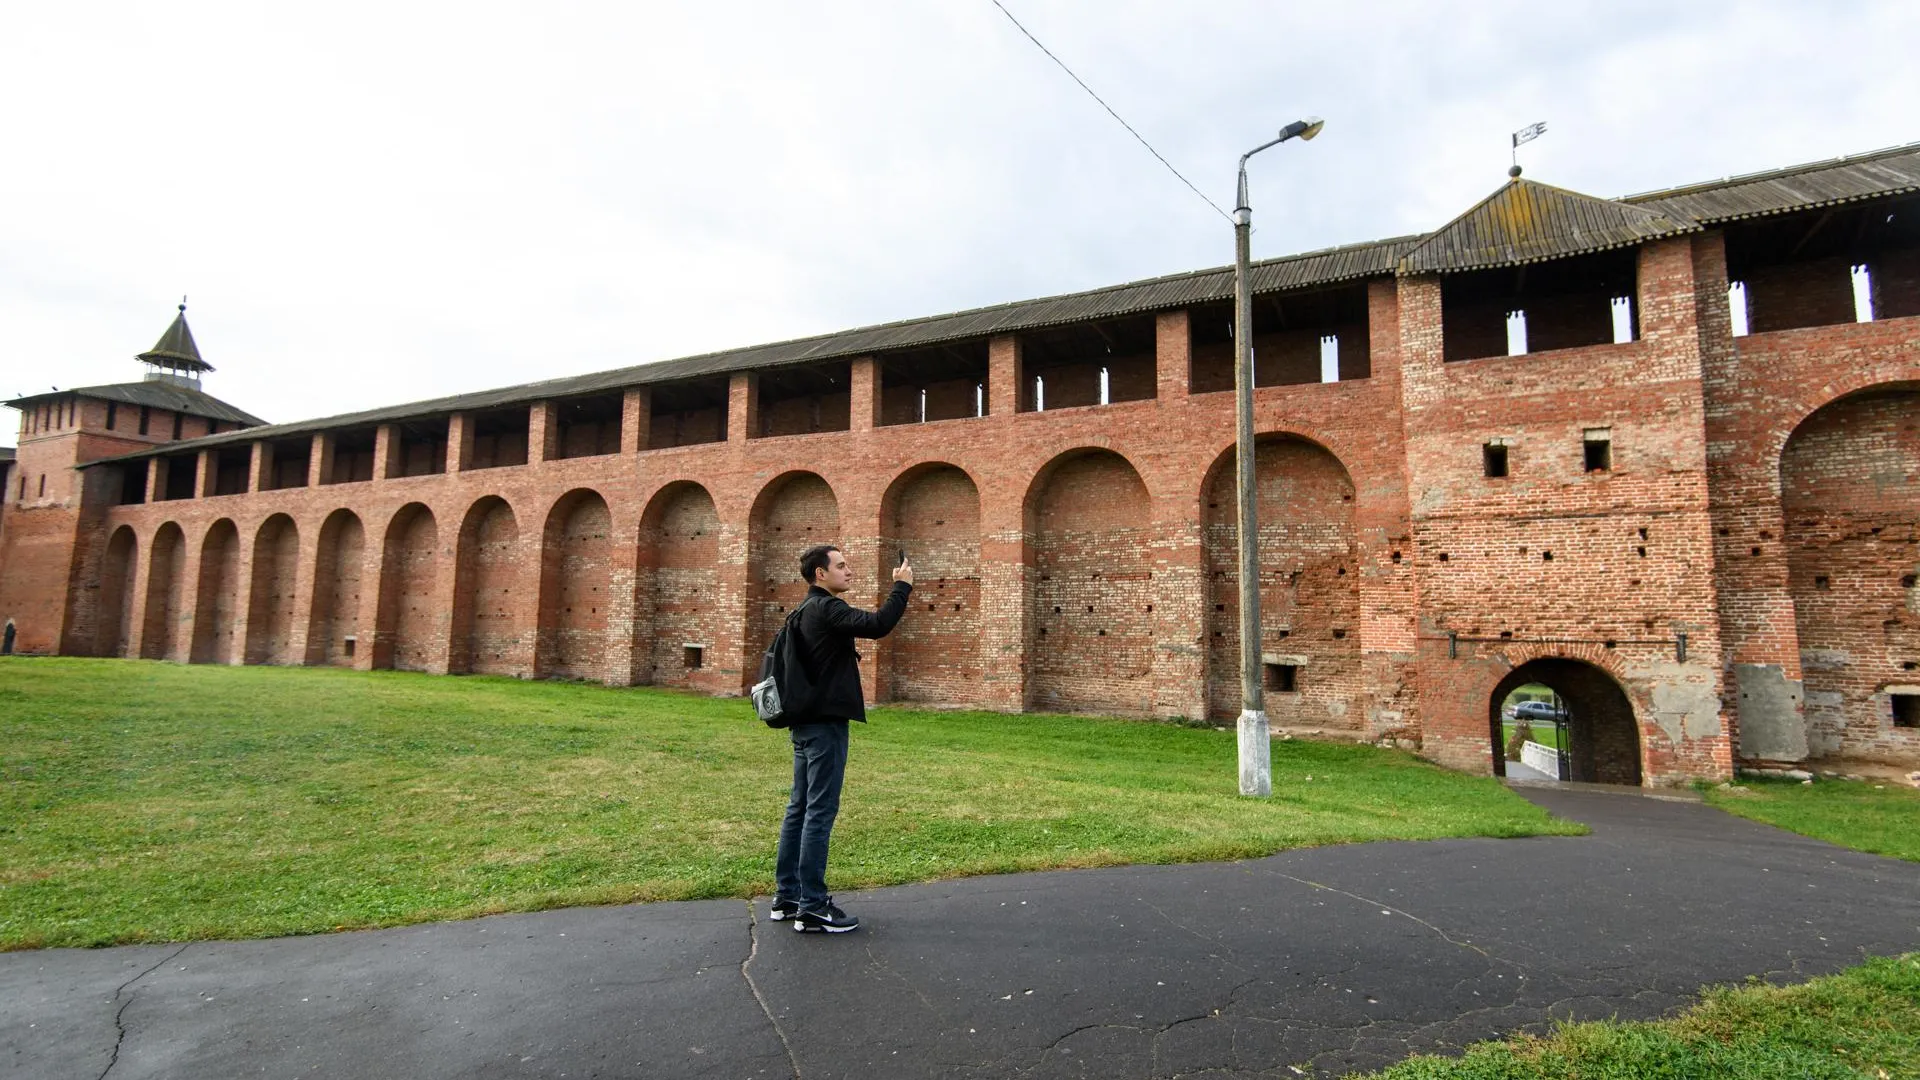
(1302, 129)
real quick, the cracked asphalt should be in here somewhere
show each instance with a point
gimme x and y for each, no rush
(1324, 960)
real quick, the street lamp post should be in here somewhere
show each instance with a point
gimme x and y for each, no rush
(1256, 748)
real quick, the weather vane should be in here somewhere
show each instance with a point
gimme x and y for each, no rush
(1525, 135)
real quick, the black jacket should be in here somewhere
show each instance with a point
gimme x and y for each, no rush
(827, 628)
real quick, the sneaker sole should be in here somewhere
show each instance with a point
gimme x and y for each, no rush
(780, 916)
(818, 928)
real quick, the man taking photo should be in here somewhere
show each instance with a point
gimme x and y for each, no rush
(826, 627)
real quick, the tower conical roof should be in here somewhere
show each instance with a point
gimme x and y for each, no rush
(176, 349)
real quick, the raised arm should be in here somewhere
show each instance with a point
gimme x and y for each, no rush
(844, 618)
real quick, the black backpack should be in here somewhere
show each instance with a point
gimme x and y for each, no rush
(785, 693)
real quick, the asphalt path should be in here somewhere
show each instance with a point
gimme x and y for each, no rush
(1321, 961)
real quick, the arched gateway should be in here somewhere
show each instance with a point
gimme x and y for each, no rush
(1603, 738)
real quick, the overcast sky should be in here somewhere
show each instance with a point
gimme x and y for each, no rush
(374, 203)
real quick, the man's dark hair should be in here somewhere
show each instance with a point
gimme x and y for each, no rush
(815, 559)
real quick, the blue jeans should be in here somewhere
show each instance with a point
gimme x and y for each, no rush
(819, 765)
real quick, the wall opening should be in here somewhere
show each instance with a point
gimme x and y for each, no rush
(423, 447)
(1280, 678)
(1601, 737)
(688, 413)
(1843, 264)
(500, 437)
(1090, 363)
(182, 474)
(1596, 450)
(1906, 710)
(943, 382)
(292, 460)
(588, 426)
(692, 657)
(1539, 307)
(232, 469)
(1493, 459)
(805, 399)
(1298, 337)
(133, 484)
(352, 456)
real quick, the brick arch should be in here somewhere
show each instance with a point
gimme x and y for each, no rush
(492, 632)
(1309, 584)
(576, 588)
(932, 510)
(333, 633)
(271, 595)
(1835, 391)
(1090, 518)
(794, 511)
(410, 631)
(1603, 732)
(1850, 512)
(113, 630)
(217, 595)
(681, 596)
(165, 602)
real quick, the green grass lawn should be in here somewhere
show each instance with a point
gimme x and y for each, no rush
(1544, 734)
(1880, 817)
(143, 801)
(1862, 1024)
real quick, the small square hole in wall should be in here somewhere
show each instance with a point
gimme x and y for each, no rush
(1597, 447)
(347, 644)
(1822, 582)
(692, 656)
(1493, 458)
(1279, 678)
(1906, 710)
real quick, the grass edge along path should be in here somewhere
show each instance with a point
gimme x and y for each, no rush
(146, 802)
(1859, 1024)
(1878, 817)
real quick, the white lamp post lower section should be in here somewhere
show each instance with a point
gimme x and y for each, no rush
(1256, 754)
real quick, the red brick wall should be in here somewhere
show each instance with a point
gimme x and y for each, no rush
(1698, 420)
(1801, 294)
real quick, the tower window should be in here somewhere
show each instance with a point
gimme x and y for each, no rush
(1280, 678)
(1493, 457)
(1597, 448)
(146, 414)
(1906, 710)
(113, 410)
(176, 425)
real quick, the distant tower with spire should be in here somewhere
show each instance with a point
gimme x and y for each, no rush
(175, 358)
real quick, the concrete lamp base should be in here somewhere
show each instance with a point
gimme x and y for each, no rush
(1256, 754)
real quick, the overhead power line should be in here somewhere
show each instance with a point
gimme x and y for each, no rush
(1110, 112)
